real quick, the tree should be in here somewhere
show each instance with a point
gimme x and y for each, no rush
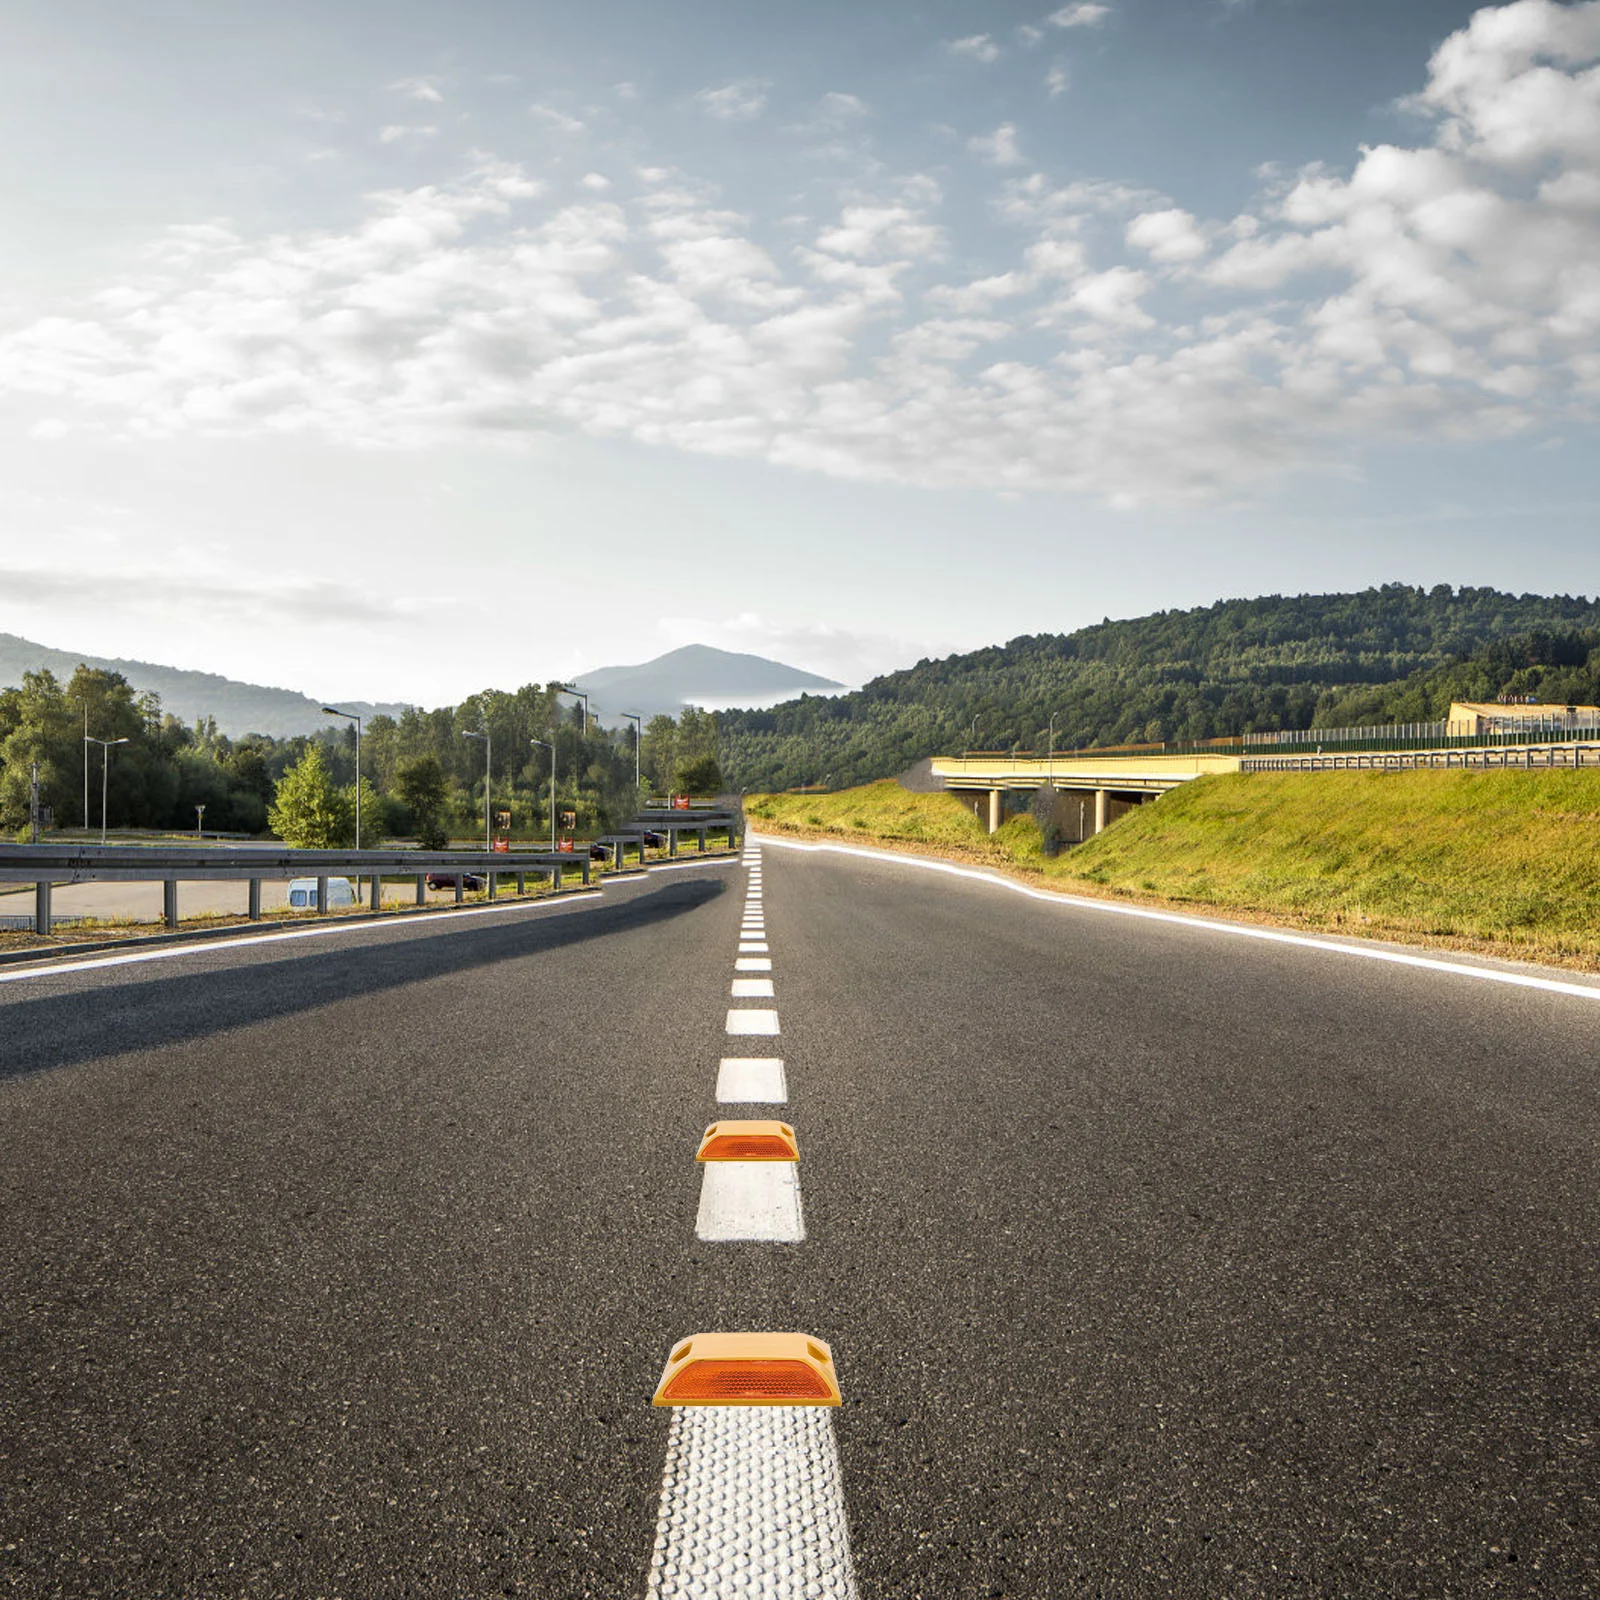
(424, 790)
(308, 812)
(700, 776)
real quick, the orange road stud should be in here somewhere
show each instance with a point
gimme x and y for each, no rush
(749, 1369)
(749, 1141)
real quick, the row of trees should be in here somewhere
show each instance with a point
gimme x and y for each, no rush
(421, 775)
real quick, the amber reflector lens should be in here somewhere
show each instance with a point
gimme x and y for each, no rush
(745, 1380)
(749, 1141)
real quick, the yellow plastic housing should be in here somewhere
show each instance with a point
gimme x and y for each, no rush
(749, 1369)
(749, 1141)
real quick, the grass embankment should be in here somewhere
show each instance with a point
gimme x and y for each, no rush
(1501, 861)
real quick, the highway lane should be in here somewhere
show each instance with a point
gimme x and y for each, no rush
(1155, 1262)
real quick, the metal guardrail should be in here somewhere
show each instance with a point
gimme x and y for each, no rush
(46, 866)
(1483, 758)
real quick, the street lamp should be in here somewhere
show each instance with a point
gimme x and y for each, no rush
(638, 729)
(552, 749)
(199, 822)
(105, 769)
(578, 694)
(334, 711)
(488, 752)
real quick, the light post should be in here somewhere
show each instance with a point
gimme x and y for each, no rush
(578, 694)
(105, 771)
(1053, 716)
(638, 729)
(86, 765)
(488, 753)
(334, 711)
(551, 747)
(200, 822)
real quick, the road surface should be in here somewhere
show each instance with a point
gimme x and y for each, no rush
(1155, 1261)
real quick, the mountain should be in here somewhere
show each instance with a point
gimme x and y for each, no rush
(239, 708)
(696, 675)
(1239, 666)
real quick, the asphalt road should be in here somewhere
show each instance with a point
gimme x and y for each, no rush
(1155, 1262)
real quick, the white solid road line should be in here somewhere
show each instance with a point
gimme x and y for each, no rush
(752, 989)
(752, 1023)
(1237, 930)
(751, 1080)
(753, 1201)
(752, 1503)
(753, 964)
(261, 941)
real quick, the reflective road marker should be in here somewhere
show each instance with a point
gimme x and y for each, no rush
(752, 1080)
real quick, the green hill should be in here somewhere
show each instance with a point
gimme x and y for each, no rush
(1240, 666)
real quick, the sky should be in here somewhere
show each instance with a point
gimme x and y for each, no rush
(401, 350)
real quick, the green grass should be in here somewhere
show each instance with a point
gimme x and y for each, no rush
(1504, 860)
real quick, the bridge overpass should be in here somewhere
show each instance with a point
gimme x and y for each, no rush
(1095, 789)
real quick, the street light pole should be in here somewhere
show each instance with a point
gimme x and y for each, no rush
(488, 754)
(105, 776)
(86, 765)
(638, 729)
(551, 747)
(200, 822)
(334, 711)
(578, 694)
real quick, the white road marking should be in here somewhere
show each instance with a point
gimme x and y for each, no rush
(752, 1503)
(752, 1201)
(753, 947)
(258, 941)
(748, 1079)
(752, 989)
(1237, 930)
(752, 1022)
(753, 964)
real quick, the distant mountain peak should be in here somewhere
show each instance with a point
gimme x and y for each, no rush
(698, 674)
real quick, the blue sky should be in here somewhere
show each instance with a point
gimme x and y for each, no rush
(401, 350)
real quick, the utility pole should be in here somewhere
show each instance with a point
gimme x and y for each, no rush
(33, 801)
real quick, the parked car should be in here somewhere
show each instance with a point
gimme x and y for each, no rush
(447, 880)
(656, 841)
(599, 852)
(303, 893)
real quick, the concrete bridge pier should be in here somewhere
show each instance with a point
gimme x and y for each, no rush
(995, 810)
(1102, 809)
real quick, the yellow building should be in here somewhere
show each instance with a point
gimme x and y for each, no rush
(1474, 718)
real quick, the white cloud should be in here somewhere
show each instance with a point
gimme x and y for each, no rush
(734, 102)
(1167, 235)
(559, 120)
(1056, 80)
(395, 132)
(841, 108)
(419, 89)
(1105, 341)
(625, 91)
(1084, 14)
(998, 148)
(1029, 35)
(976, 47)
(596, 182)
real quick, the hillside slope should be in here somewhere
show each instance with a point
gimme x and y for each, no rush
(699, 675)
(1503, 861)
(239, 708)
(1234, 667)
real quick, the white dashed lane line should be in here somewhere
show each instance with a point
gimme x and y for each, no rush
(748, 1021)
(752, 1503)
(753, 947)
(752, 1080)
(750, 1200)
(752, 989)
(753, 964)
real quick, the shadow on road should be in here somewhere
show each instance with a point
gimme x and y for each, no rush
(49, 1031)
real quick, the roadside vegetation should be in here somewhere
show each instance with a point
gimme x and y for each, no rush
(1507, 862)
(421, 776)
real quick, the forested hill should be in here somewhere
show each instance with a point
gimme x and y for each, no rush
(1239, 666)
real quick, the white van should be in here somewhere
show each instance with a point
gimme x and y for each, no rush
(303, 893)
